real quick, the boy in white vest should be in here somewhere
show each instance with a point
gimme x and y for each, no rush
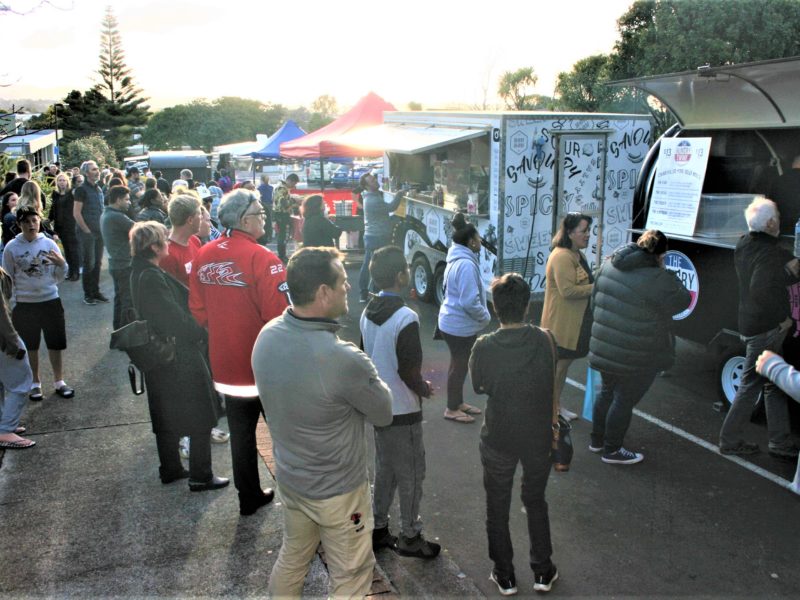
(390, 336)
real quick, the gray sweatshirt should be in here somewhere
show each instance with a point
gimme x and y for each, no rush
(318, 392)
(35, 278)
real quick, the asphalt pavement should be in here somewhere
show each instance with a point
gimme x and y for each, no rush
(83, 514)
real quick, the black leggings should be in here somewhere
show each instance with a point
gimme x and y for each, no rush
(459, 347)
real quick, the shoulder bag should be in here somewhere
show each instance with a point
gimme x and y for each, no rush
(561, 453)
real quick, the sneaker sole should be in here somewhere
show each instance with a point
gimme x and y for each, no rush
(545, 587)
(503, 591)
(596, 450)
(629, 461)
(739, 451)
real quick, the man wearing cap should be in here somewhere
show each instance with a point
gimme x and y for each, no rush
(235, 287)
(87, 208)
(283, 204)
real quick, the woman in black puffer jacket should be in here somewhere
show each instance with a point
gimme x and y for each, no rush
(633, 301)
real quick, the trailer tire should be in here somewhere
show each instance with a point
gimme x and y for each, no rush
(438, 285)
(408, 231)
(729, 374)
(422, 278)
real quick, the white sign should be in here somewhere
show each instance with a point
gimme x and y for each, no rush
(680, 172)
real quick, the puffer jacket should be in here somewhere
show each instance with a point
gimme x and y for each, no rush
(633, 303)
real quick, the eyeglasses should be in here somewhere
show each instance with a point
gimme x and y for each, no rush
(248, 214)
(260, 213)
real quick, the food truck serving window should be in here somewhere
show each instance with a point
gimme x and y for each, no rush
(407, 139)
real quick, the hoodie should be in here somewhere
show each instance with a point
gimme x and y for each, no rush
(390, 337)
(463, 312)
(35, 278)
(633, 302)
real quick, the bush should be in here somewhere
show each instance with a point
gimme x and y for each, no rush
(92, 147)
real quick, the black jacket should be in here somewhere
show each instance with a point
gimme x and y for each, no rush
(319, 231)
(633, 302)
(760, 268)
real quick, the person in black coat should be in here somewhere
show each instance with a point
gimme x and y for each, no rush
(317, 229)
(63, 221)
(180, 395)
(633, 300)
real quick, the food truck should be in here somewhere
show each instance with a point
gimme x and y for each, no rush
(743, 124)
(516, 174)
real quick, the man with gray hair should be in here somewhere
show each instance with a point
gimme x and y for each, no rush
(87, 209)
(763, 269)
(236, 286)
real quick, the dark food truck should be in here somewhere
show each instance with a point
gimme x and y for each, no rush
(751, 112)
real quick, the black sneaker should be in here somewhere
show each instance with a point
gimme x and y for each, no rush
(417, 547)
(784, 452)
(382, 538)
(543, 583)
(507, 586)
(595, 449)
(623, 457)
(741, 449)
(100, 298)
(89, 300)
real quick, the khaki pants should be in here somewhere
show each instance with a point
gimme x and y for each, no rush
(344, 526)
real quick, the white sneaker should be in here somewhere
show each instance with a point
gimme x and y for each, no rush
(183, 447)
(218, 436)
(567, 414)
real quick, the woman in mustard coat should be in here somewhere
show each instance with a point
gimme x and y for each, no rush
(569, 283)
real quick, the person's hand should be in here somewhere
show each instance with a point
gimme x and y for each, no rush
(793, 266)
(761, 360)
(431, 389)
(786, 324)
(55, 258)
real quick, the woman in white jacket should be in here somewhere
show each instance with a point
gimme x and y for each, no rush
(463, 314)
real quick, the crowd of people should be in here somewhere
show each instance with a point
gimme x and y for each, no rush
(191, 259)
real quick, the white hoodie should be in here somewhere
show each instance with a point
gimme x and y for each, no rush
(35, 277)
(463, 312)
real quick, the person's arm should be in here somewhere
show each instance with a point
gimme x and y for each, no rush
(196, 299)
(332, 229)
(475, 369)
(77, 211)
(392, 206)
(272, 292)
(159, 307)
(468, 288)
(8, 335)
(55, 257)
(673, 297)
(363, 389)
(565, 274)
(781, 373)
(51, 214)
(409, 360)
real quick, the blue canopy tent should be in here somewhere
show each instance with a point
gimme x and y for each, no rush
(288, 131)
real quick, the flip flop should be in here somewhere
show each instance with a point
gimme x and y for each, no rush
(461, 419)
(65, 391)
(21, 445)
(471, 410)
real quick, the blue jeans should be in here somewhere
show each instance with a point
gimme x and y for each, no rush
(750, 386)
(498, 481)
(15, 385)
(613, 409)
(371, 244)
(92, 249)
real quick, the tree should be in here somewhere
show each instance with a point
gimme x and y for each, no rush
(583, 89)
(92, 147)
(414, 106)
(516, 89)
(203, 125)
(323, 112)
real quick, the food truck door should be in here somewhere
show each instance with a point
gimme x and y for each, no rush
(581, 168)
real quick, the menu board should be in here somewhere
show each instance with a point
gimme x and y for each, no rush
(680, 172)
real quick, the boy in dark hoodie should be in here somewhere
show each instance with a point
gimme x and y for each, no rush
(514, 366)
(390, 336)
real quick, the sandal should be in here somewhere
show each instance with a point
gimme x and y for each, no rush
(18, 445)
(65, 391)
(468, 409)
(36, 394)
(463, 418)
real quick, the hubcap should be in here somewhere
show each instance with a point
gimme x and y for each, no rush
(420, 280)
(731, 376)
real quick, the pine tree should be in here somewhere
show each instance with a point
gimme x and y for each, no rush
(124, 108)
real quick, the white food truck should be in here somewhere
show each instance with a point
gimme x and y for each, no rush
(516, 174)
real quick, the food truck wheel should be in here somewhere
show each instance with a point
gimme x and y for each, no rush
(438, 284)
(422, 278)
(729, 374)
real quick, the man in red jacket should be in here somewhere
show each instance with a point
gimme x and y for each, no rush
(237, 286)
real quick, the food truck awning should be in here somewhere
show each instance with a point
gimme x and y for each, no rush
(745, 96)
(408, 139)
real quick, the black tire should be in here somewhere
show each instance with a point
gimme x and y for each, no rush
(401, 226)
(422, 279)
(729, 372)
(438, 285)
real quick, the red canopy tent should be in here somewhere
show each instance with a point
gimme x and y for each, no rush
(322, 143)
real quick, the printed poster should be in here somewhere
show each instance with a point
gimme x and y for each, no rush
(680, 172)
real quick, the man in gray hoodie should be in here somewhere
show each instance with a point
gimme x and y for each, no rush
(317, 421)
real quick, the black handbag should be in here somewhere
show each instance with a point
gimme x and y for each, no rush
(145, 349)
(561, 452)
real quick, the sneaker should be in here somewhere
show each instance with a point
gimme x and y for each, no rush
(567, 414)
(417, 547)
(543, 583)
(183, 447)
(741, 449)
(787, 452)
(218, 436)
(507, 586)
(595, 449)
(89, 300)
(100, 298)
(622, 457)
(382, 538)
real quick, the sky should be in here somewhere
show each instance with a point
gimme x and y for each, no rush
(440, 53)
